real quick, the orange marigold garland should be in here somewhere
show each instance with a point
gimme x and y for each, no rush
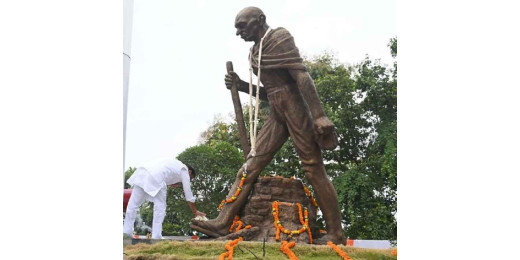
(307, 225)
(237, 192)
(276, 221)
(340, 253)
(238, 224)
(304, 220)
(308, 193)
(229, 247)
(300, 215)
(236, 221)
(286, 249)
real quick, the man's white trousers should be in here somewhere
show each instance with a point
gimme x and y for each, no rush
(138, 197)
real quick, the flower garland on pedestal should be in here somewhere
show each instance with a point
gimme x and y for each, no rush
(304, 220)
(307, 192)
(238, 223)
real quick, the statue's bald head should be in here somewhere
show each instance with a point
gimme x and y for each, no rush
(250, 24)
(250, 12)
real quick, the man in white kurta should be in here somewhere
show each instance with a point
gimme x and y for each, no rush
(150, 183)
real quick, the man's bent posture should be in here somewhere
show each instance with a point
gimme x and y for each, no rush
(150, 183)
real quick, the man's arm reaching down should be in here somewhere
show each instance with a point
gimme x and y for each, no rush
(194, 210)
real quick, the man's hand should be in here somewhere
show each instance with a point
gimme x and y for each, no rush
(323, 126)
(198, 213)
(232, 78)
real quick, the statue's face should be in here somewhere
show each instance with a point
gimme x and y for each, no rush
(247, 26)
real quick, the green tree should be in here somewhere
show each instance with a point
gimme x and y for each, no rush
(219, 131)
(367, 186)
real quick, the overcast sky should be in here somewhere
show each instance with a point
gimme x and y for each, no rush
(179, 50)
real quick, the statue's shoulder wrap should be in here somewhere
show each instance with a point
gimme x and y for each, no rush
(279, 52)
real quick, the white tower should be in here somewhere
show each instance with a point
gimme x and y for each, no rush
(128, 6)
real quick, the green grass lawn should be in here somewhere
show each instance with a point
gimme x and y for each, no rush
(203, 250)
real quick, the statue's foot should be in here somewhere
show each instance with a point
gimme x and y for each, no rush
(212, 228)
(336, 239)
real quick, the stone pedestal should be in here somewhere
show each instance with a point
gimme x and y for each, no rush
(258, 210)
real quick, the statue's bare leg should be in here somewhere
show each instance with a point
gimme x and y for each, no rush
(270, 138)
(219, 226)
(327, 201)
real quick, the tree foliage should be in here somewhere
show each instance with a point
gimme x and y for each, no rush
(220, 130)
(366, 163)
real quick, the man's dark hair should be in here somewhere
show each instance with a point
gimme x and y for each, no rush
(192, 170)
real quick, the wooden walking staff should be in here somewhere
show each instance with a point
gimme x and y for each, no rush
(238, 113)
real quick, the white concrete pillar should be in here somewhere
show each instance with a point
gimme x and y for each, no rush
(128, 6)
